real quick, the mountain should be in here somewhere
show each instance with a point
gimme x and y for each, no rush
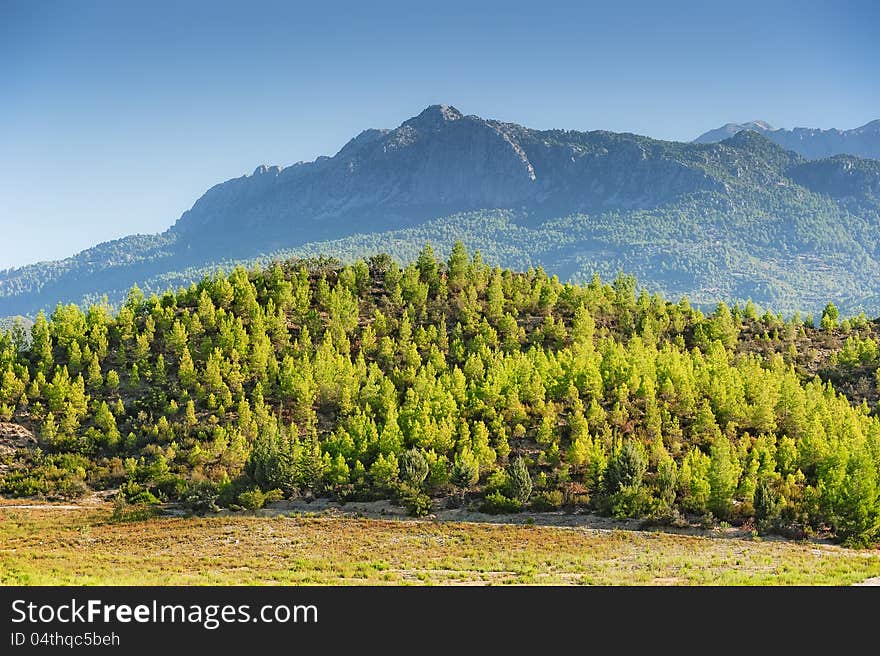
(742, 218)
(727, 130)
(811, 143)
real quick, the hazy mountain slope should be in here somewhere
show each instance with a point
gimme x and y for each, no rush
(812, 143)
(736, 219)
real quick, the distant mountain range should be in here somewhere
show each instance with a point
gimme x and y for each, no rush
(742, 218)
(811, 143)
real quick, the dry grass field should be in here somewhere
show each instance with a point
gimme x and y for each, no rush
(84, 546)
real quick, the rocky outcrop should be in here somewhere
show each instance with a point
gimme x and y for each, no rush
(14, 437)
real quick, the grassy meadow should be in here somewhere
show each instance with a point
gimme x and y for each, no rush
(86, 546)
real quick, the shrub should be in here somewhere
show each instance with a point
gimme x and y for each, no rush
(228, 491)
(171, 487)
(766, 504)
(575, 494)
(630, 502)
(123, 511)
(273, 495)
(134, 493)
(438, 470)
(416, 502)
(547, 500)
(71, 486)
(498, 481)
(663, 515)
(383, 471)
(252, 499)
(496, 503)
(667, 479)
(724, 472)
(202, 497)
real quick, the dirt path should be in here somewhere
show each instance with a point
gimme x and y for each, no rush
(93, 500)
(40, 506)
(559, 518)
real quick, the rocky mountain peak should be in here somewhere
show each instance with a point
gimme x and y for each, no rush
(435, 116)
(263, 169)
(757, 124)
(747, 137)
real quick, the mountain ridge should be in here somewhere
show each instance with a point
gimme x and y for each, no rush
(812, 143)
(656, 208)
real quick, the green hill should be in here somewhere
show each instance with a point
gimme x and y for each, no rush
(450, 382)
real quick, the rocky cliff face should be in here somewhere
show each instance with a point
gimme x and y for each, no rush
(811, 143)
(438, 162)
(439, 158)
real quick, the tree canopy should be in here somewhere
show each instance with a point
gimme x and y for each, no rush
(448, 379)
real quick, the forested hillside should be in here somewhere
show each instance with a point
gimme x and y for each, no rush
(451, 382)
(737, 220)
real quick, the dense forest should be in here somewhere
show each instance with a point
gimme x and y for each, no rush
(451, 382)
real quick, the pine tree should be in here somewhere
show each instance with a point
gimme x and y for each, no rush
(310, 467)
(465, 470)
(724, 471)
(520, 481)
(413, 467)
(626, 467)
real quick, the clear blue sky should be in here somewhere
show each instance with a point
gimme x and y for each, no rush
(116, 116)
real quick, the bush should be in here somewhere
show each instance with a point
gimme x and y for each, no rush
(202, 498)
(71, 487)
(252, 499)
(547, 500)
(496, 503)
(123, 511)
(575, 494)
(171, 487)
(228, 491)
(438, 470)
(707, 520)
(498, 481)
(664, 515)
(767, 504)
(383, 471)
(134, 493)
(631, 502)
(272, 496)
(416, 502)
(22, 484)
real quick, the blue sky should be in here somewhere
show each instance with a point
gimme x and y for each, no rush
(116, 116)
